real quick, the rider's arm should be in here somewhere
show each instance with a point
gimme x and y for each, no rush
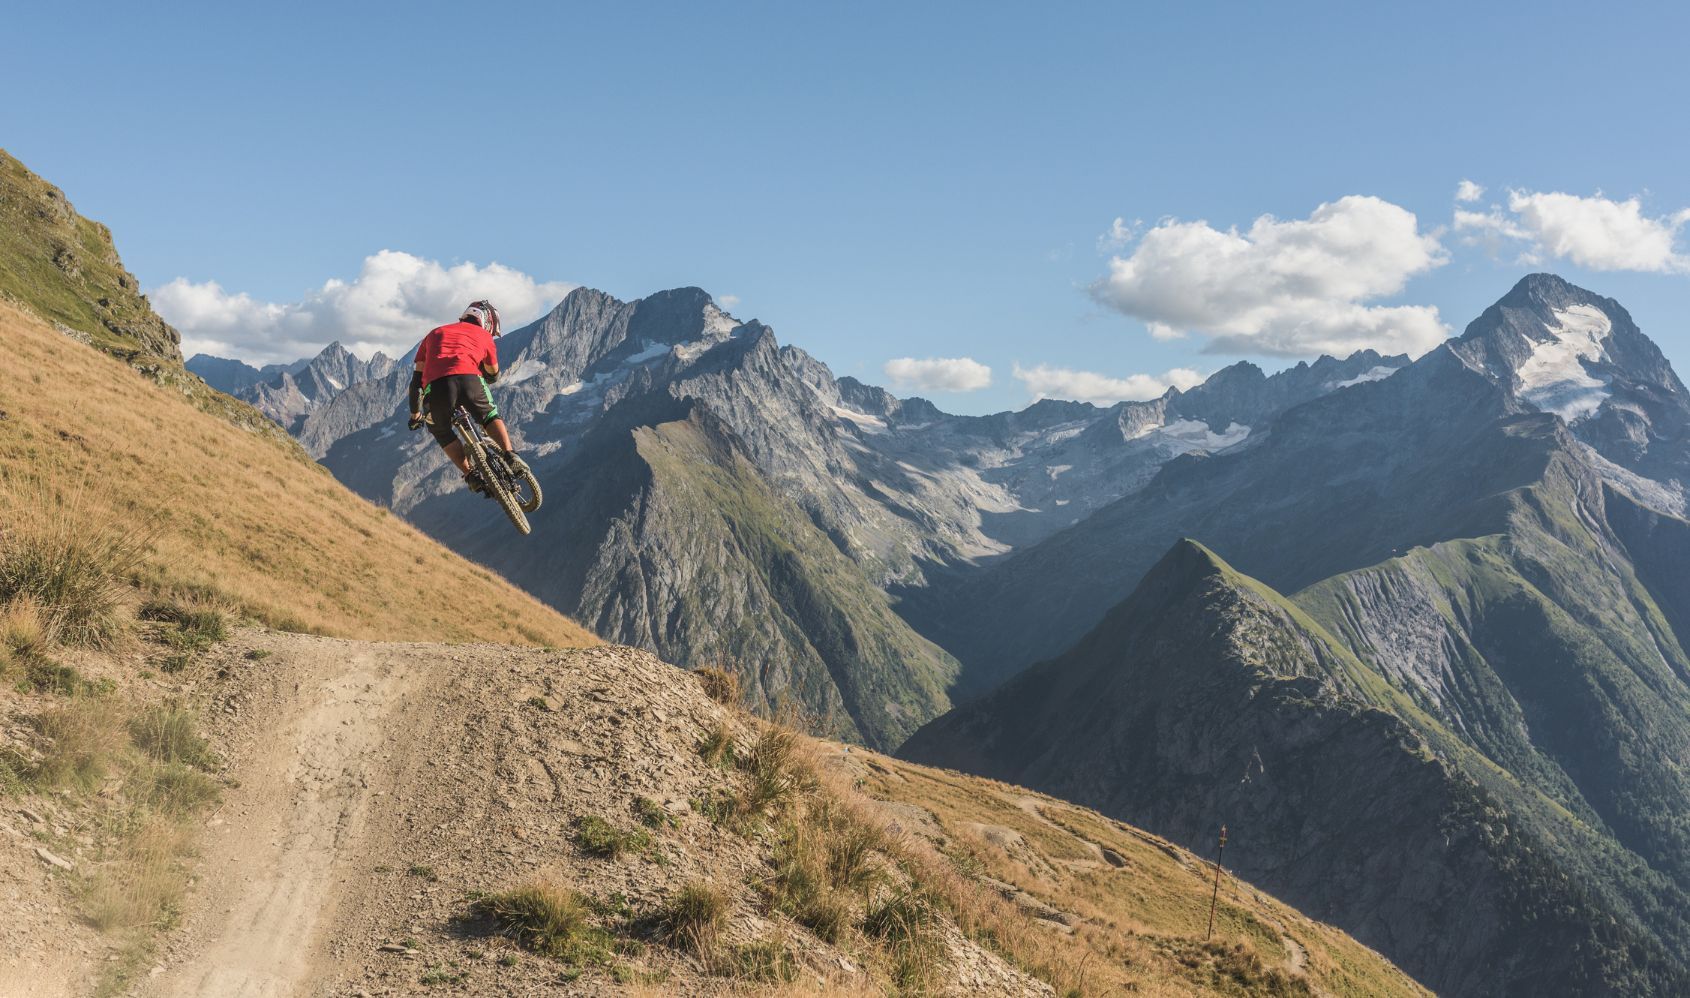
(414, 393)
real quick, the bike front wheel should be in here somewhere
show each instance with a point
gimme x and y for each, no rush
(495, 485)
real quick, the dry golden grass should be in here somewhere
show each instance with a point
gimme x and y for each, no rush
(221, 511)
(141, 887)
(69, 568)
(84, 743)
(1138, 926)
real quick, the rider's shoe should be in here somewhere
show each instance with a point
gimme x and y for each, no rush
(473, 480)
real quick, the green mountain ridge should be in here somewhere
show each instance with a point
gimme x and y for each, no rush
(1206, 697)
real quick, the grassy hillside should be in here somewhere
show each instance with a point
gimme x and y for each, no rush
(65, 269)
(1124, 910)
(233, 515)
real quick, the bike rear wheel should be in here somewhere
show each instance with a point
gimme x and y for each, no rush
(527, 483)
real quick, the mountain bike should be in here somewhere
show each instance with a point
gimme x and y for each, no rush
(516, 490)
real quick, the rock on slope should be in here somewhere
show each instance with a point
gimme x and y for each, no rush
(1206, 698)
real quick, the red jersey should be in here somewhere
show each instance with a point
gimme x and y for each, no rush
(460, 348)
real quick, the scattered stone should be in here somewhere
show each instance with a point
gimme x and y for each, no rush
(52, 860)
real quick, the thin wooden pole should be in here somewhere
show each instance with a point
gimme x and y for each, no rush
(1215, 897)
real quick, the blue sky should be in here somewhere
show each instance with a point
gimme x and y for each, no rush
(877, 181)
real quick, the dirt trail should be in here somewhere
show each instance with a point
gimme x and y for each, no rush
(381, 786)
(285, 839)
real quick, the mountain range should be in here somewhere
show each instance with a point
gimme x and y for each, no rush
(1483, 543)
(721, 497)
(1461, 568)
(287, 393)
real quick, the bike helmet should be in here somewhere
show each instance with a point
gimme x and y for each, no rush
(483, 314)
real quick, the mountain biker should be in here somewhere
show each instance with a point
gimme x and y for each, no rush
(455, 363)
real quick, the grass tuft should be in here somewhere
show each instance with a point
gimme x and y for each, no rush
(143, 885)
(598, 837)
(719, 684)
(24, 636)
(694, 918)
(777, 777)
(85, 740)
(185, 626)
(717, 748)
(907, 923)
(168, 733)
(764, 961)
(549, 920)
(652, 814)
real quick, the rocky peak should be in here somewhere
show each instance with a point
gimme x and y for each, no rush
(1546, 330)
(1559, 348)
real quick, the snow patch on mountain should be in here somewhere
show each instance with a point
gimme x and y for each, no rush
(1371, 374)
(1554, 377)
(522, 370)
(862, 420)
(1184, 435)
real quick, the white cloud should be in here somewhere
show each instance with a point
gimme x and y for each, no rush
(1287, 288)
(726, 303)
(1044, 382)
(938, 374)
(1595, 232)
(1468, 192)
(393, 301)
(1120, 234)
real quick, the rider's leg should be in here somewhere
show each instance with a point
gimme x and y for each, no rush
(455, 451)
(501, 436)
(441, 398)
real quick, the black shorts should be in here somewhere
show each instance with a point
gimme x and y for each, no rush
(442, 396)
